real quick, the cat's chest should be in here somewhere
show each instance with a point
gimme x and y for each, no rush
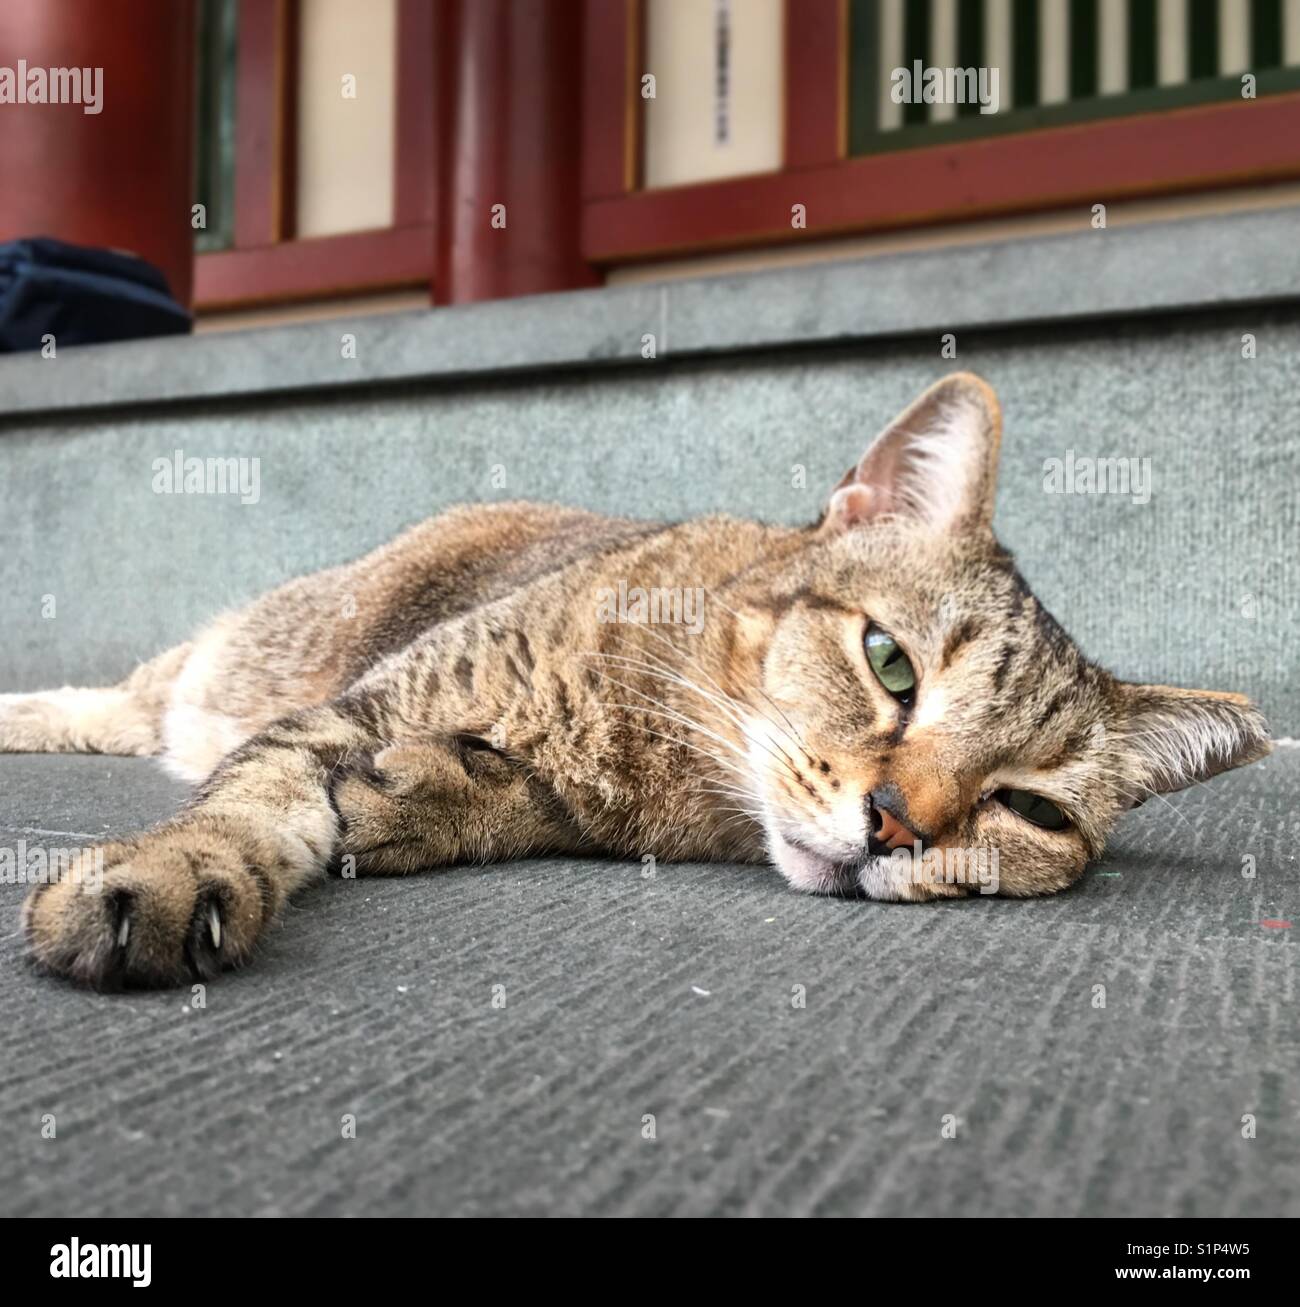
(639, 794)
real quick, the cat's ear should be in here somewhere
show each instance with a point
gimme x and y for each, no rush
(937, 462)
(1174, 738)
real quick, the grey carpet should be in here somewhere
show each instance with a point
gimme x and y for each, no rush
(627, 996)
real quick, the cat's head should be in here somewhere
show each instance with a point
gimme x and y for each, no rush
(914, 690)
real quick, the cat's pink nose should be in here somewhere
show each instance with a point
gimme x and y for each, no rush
(885, 830)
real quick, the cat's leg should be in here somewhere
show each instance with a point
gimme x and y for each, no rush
(195, 894)
(119, 719)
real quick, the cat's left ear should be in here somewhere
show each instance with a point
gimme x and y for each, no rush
(1174, 738)
(937, 462)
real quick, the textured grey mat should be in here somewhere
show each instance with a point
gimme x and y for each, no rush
(627, 997)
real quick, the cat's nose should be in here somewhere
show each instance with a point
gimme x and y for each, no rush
(884, 830)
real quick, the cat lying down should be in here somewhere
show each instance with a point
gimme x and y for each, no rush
(865, 702)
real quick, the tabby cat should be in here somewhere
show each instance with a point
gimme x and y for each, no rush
(493, 684)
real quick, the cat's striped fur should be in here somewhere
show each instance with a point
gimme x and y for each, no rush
(458, 695)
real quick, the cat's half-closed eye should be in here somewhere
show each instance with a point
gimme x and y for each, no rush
(936, 463)
(1173, 738)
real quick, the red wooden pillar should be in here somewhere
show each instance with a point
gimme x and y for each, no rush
(515, 73)
(122, 177)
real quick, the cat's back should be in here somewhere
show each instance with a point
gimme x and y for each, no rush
(314, 635)
(476, 554)
(306, 641)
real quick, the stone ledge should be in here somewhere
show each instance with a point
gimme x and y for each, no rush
(1190, 264)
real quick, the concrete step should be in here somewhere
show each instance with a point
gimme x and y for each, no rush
(1124, 344)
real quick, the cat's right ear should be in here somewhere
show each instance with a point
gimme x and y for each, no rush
(936, 463)
(1174, 738)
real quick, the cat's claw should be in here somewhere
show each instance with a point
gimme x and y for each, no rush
(203, 950)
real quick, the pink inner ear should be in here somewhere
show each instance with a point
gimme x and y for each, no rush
(883, 463)
(855, 503)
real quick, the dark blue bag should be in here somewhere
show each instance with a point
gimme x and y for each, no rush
(80, 296)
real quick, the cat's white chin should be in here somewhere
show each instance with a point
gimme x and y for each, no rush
(812, 871)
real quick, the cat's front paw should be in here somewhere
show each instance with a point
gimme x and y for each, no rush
(176, 905)
(413, 806)
(386, 807)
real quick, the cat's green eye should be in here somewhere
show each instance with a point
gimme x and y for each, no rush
(1033, 807)
(890, 663)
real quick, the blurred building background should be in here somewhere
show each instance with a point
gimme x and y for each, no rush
(348, 152)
